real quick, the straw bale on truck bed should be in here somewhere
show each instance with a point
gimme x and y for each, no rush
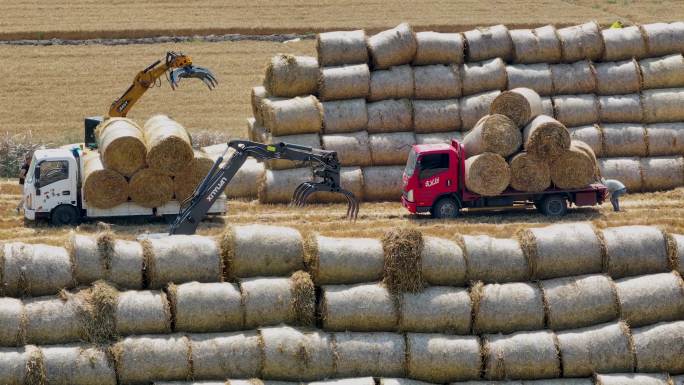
(169, 148)
(122, 145)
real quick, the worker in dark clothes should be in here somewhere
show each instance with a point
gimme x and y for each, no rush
(615, 189)
(22, 178)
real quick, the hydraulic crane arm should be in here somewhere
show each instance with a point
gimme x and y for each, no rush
(324, 163)
(176, 64)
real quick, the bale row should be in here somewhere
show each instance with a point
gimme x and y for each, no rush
(632, 139)
(645, 174)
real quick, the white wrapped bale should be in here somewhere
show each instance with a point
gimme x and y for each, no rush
(487, 43)
(257, 96)
(662, 173)
(439, 48)
(103, 257)
(616, 78)
(84, 252)
(576, 110)
(533, 76)
(474, 107)
(662, 72)
(300, 115)
(77, 365)
(393, 47)
(440, 358)
(436, 115)
(390, 116)
(623, 43)
(635, 250)
(524, 355)
(344, 260)
(581, 42)
(393, 83)
(341, 47)
(603, 348)
(649, 299)
(591, 135)
(142, 312)
(353, 149)
(624, 140)
(382, 183)
(291, 354)
(633, 379)
(436, 82)
(35, 269)
(661, 106)
(540, 45)
(13, 364)
(278, 186)
(362, 307)
(344, 82)
(575, 302)
(225, 355)
(344, 116)
(369, 354)
(403, 381)
(289, 76)
(50, 320)
(11, 313)
(506, 308)
(547, 106)
(206, 307)
(626, 170)
(260, 250)
(182, 258)
(171, 358)
(659, 347)
(493, 260)
(442, 262)
(575, 78)
(274, 301)
(665, 139)
(392, 148)
(620, 108)
(438, 309)
(483, 76)
(663, 38)
(344, 381)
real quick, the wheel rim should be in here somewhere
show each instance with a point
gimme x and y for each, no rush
(447, 210)
(555, 207)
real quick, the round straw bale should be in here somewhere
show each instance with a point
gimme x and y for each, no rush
(660, 347)
(439, 137)
(391, 148)
(509, 307)
(529, 173)
(291, 354)
(620, 108)
(169, 148)
(441, 358)
(665, 139)
(390, 116)
(532, 76)
(122, 145)
(436, 115)
(591, 135)
(245, 182)
(362, 307)
(289, 76)
(623, 43)
(393, 83)
(77, 365)
(50, 320)
(225, 355)
(182, 258)
(438, 309)
(344, 82)
(602, 348)
(13, 363)
(257, 95)
(624, 140)
(635, 250)
(487, 43)
(547, 106)
(436, 82)
(382, 183)
(575, 302)
(487, 174)
(626, 170)
(341, 47)
(35, 269)
(189, 178)
(345, 260)
(102, 188)
(474, 107)
(206, 307)
(521, 105)
(352, 148)
(576, 110)
(171, 361)
(403, 247)
(483, 76)
(493, 260)
(84, 252)
(142, 312)
(575, 78)
(403, 381)
(351, 179)
(151, 188)
(307, 140)
(649, 299)
(277, 186)
(493, 133)
(393, 47)
(633, 379)
(663, 105)
(540, 45)
(369, 354)
(662, 38)
(260, 250)
(344, 116)
(124, 260)
(573, 169)
(442, 262)
(562, 250)
(439, 48)
(581, 42)
(300, 115)
(267, 301)
(663, 72)
(616, 78)
(11, 317)
(525, 355)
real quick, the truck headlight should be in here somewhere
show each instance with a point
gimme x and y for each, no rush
(409, 195)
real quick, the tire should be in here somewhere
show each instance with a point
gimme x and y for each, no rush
(554, 206)
(445, 208)
(65, 215)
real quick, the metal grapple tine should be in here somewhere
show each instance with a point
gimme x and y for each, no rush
(296, 196)
(306, 195)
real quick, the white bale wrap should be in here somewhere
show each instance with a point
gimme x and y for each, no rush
(390, 116)
(660, 347)
(393, 47)
(393, 83)
(523, 355)
(443, 262)
(35, 269)
(635, 250)
(506, 308)
(615, 78)
(289, 76)
(663, 38)
(623, 43)
(493, 260)
(649, 299)
(620, 108)
(341, 47)
(51, 320)
(225, 355)
(171, 358)
(182, 258)
(663, 105)
(603, 348)
(369, 354)
(533, 76)
(436, 115)
(391, 148)
(353, 149)
(362, 307)
(142, 312)
(581, 42)
(665, 139)
(483, 76)
(345, 260)
(77, 365)
(538, 45)
(300, 115)
(292, 354)
(576, 110)
(269, 301)
(624, 140)
(487, 43)
(11, 312)
(439, 48)
(662, 173)
(344, 82)
(626, 170)
(575, 78)
(206, 307)
(662, 72)
(591, 135)
(440, 358)
(438, 309)
(344, 116)
(382, 183)
(436, 81)
(474, 107)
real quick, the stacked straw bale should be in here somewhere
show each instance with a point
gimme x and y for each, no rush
(122, 145)
(102, 188)
(169, 149)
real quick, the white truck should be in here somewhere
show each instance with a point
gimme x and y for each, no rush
(53, 190)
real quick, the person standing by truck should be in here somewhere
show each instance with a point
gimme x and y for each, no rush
(22, 177)
(615, 189)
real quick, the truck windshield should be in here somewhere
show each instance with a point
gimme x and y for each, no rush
(411, 163)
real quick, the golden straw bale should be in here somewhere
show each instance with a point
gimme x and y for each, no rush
(616, 78)
(662, 72)
(487, 174)
(442, 262)
(393, 83)
(206, 307)
(523, 355)
(300, 115)
(483, 76)
(521, 105)
(171, 358)
(581, 42)
(142, 312)
(620, 108)
(277, 186)
(289, 76)
(441, 358)
(122, 145)
(35, 269)
(623, 43)
(436, 81)
(53, 320)
(659, 347)
(529, 173)
(344, 82)
(392, 148)
(390, 116)
(169, 148)
(181, 258)
(493, 260)
(344, 116)
(487, 43)
(393, 47)
(576, 110)
(493, 133)
(539, 45)
(575, 78)
(102, 188)
(663, 105)
(257, 95)
(271, 301)
(436, 115)
(439, 48)
(353, 149)
(190, 177)
(341, 47)
(545, 137)
(662, 173)
(574, 168)
(77, 365)
(362, 354)
(151, 188)
(650, 299)
(403, 247)
(474, 107)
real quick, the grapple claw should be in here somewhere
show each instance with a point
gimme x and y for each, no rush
(306, 189)
(204, 74)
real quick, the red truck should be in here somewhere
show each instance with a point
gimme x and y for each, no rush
(434, 182)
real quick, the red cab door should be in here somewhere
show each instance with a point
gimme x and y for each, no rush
(435, 177)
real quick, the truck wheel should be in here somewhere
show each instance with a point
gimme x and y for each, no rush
(445, 208)
(64, 215)
(554, 206)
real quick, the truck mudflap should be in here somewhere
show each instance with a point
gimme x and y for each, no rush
(587, 198)
(412, 207)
